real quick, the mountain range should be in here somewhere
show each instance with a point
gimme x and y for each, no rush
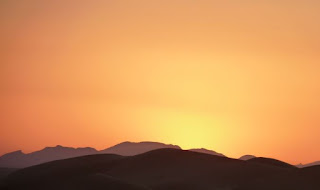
(18, 159)
(163, 169)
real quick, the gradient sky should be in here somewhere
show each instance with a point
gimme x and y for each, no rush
(238, 77)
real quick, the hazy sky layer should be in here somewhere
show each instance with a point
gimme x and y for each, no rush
(238, 77)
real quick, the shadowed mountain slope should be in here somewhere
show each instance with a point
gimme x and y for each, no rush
(270, 162)
(162, 169)
(306, 178)
(75, 173)
(176, 169)
(6, 171)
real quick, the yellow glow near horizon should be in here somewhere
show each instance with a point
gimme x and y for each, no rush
(188, 130)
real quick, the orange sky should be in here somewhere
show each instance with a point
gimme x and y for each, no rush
(238, 77)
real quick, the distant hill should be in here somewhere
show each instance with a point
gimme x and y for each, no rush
(131, 148)
(163, 169)
(205, 151)
(308, 165)
(270, 162)
(81, 173)
(246, 157)
(18, 159)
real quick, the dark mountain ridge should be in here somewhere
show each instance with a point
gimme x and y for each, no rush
(206, 151)
(162, 169)
(270, 162)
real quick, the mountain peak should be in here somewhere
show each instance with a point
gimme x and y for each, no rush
(54, 147)
(247, 157)
(14, 153)
(133, 148)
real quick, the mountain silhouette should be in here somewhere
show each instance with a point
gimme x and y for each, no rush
(75, 173)
(308, 165)
(132, 148)
(149, 166)
(18, 159)
(206, 151)
(163, 169)
(246, 157)
(270, 162)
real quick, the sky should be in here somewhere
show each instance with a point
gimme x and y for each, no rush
(237, 77)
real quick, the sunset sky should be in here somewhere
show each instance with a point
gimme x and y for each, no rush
(237, 77)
